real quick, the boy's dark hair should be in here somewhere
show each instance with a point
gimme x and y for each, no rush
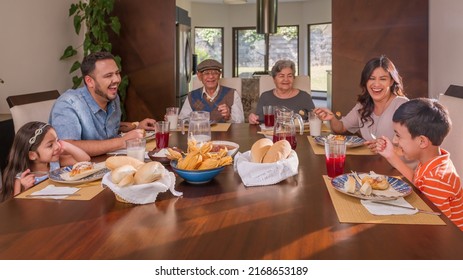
(424, 116)
(88, 63)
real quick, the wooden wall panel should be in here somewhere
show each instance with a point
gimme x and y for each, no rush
(147, 47)
(363, 29)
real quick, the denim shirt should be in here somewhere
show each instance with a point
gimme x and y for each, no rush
(76, 116)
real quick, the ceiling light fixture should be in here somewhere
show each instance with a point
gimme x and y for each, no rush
(267, 11)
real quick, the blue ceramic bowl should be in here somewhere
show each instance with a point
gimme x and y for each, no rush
(196, 176)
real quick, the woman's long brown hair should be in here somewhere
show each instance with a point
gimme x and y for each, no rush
(364, 98)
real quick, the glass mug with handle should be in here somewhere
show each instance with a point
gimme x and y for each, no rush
(199, 127)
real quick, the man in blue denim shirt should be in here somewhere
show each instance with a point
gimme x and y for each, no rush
(89, 117)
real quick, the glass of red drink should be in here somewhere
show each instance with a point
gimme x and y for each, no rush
(162, 134)
(269, 115)
(335, 151)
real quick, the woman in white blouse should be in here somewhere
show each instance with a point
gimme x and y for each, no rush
(382, 93)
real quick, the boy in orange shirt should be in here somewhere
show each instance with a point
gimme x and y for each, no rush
(420, 126)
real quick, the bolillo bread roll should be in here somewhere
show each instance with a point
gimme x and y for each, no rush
(349, 185)
(126, 181)
(121, 172)
(259, 149)
(118, 161)
(149, 172)
(280, 150)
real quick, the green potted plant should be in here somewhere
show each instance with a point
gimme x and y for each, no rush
(95, 16)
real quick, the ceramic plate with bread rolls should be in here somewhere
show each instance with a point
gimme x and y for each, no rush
(352, 141)
(81, 172)
(371, 186)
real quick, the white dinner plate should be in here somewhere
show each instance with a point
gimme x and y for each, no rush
(229, 144)
(56, 175)
(149, 135)
(398, 188)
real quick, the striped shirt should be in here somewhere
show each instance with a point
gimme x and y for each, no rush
(439, 181)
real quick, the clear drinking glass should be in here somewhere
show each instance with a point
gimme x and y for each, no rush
(315, 124)
(162, 130)
(136, 148)
(269, 115)
(335, 151)
(172, 116)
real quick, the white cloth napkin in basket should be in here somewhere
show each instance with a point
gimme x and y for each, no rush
(261, 174)
(144, 193)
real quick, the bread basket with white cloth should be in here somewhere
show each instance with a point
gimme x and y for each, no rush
(133, 181)
(266, 163)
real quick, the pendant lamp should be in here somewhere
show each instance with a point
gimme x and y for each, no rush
(267, 11)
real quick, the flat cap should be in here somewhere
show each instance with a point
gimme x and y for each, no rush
(209, 64)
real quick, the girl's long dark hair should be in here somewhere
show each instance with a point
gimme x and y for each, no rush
(364, 98)
(18, 159)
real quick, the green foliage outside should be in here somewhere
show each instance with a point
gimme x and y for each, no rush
(208, 43)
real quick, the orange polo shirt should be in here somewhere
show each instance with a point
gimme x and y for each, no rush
(439, 181)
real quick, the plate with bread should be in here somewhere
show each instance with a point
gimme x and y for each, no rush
(371, 186)
(148, 134)
(352, 141)
(81, 172)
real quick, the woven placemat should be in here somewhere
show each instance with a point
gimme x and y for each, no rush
(359, 151)
(87, 191)
(350, 210)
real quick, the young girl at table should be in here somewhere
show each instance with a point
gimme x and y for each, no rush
(35, 151)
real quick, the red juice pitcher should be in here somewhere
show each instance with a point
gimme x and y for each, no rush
(285, 126)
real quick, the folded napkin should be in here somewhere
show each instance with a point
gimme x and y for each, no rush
(144, 193)
(53, 192)
(261, 174)
(382, 209)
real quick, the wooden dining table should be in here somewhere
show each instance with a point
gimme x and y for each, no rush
(221, 220)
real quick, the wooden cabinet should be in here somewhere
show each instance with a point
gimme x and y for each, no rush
(147, 47)
(363, 29)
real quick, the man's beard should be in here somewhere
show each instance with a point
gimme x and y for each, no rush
(100, 92)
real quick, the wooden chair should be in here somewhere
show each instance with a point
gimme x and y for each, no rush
(234, 82)
(452, 143)
(265, 83)
(31, 107)
(302, 82)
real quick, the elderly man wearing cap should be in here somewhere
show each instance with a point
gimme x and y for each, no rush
(223, 103)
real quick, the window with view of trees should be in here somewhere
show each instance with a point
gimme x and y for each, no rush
(320, 42)
(209, 43)
(255, 52)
